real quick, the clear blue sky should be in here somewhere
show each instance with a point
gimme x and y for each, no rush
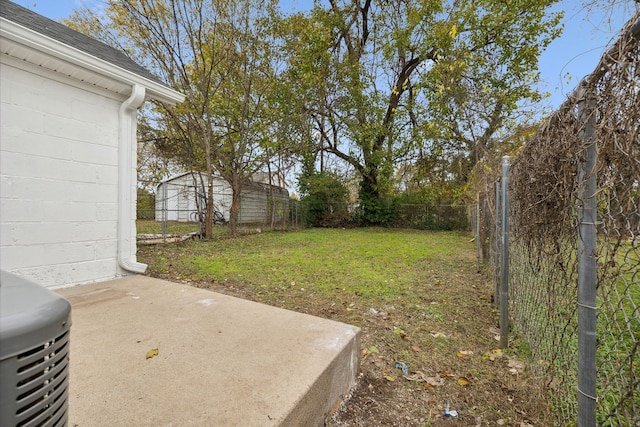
(587, 34)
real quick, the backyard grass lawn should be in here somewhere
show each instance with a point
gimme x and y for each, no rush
(417, 297)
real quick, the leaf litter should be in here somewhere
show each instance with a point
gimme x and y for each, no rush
(399, 329)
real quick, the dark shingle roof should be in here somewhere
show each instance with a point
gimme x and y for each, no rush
(66, 35)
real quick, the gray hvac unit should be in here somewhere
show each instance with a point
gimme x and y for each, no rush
(34, 354)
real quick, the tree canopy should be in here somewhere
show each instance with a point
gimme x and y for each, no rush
(387, 88)
(221, 56)
(385, 82)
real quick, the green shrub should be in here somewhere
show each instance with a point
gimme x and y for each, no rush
(325, 200)
(146, 204)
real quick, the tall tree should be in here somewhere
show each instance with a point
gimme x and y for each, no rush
(218, 54)
(173, 39)
(382, 79)
(243, 110)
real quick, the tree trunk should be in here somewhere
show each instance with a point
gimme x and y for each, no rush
(201, 197)
(271, 202)
(206, 142)
(236, 189)
(208, 227)
(370, 198)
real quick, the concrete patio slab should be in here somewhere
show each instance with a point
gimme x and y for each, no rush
(221, 361)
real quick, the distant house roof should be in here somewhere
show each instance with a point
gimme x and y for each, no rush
(79, 48)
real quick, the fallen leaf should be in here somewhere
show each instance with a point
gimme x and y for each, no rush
(416, 348)
(495, 354)
(435, 381)
(389, 378)
(416, 376)
(151, 353)
(438, 334)
(463, 381)
(373, 349)
(446, 374)
(464, 353)
(400, 332)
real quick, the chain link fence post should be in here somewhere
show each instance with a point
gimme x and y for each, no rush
(498, 214)
(476, 231)
(587, 264)
(165, 195)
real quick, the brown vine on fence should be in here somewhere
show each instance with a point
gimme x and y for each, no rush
(544, 199)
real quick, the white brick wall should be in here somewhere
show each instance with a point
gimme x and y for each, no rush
(58, 179)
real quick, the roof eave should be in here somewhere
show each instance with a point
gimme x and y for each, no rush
(54, 48)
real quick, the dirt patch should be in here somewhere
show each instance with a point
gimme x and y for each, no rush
(443, 331)
(458, 357)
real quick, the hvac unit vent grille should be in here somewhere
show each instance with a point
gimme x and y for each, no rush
(41, 381)
(35, 330)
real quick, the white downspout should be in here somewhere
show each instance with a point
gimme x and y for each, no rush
(126, 184)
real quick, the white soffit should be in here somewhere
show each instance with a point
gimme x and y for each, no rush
(32, 47)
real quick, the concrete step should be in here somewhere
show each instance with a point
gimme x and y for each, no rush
(222, 361)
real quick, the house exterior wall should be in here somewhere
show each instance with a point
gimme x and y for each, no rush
(58, 178)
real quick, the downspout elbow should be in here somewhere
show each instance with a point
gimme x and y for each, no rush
(126, 196)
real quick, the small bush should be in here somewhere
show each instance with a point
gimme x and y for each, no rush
(325, 200)
(146, 204)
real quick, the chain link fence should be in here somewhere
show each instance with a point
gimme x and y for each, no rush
(434, 217)
(178, 208)
(568, 252)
